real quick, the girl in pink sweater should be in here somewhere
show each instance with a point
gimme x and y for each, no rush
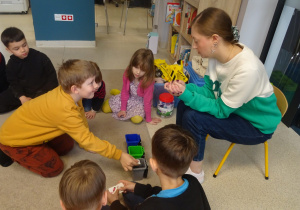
(134, 101)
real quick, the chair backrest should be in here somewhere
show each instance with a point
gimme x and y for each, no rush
(281, 100)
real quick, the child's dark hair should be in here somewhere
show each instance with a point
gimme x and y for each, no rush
(143, 59)
(173, 148)
(98, 77)
(214, 21)
(82, 186)
(11, 34)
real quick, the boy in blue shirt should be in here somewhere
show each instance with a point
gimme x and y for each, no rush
(173, 149)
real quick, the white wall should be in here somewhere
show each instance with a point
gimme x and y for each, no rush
(256, 22)
(159, 22)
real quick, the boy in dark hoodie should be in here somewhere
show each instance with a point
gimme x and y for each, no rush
(29, 72)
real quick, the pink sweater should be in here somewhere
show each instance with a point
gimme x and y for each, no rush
(146, 93)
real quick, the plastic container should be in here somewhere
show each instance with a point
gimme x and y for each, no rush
(165, 105)
(138, 172)
(159, 89)
(132, 139)
(136, 151)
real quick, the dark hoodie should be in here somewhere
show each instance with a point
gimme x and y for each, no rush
(31, 76)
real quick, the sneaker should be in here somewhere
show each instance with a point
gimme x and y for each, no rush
(5, 160)
(199, 176)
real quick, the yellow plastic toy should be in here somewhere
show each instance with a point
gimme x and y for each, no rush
(136, 119)
(115, 92)
(169, 72)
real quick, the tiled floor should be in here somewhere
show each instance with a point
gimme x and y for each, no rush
(241, 183)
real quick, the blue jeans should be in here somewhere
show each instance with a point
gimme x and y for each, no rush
(233, 129)
(87, 104)
(94, 103)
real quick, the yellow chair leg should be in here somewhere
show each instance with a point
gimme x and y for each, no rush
(266, 161)
(223, 160)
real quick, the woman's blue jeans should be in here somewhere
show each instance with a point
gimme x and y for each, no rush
(233, 129)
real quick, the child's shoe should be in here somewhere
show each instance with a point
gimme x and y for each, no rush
(105, 107)
(136, 119)
(115, 92)
(5, 160)
(200, 176)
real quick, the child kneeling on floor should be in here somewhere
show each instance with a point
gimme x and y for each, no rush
(173, 149)
(44, 128)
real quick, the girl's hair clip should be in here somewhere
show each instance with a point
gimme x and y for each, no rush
(235, 33)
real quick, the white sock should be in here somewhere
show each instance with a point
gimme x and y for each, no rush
(199, 176)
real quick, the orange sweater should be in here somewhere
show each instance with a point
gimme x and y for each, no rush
(48, 116)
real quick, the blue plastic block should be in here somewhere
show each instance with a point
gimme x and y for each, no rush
(132, 139)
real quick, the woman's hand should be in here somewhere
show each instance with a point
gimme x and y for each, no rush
(175, 88)
(127, 161)
(128, 186)
(155, 121)
(122, 113)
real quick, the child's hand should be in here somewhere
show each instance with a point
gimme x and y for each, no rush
(112, 197)
(155, 121)
(128, 161)
(122, 113)
(24, 99)
(128, 186)
(90, 114)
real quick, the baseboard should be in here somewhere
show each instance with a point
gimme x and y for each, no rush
(66, 43)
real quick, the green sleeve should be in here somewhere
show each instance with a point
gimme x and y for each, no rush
(205, 90)
(201, 101)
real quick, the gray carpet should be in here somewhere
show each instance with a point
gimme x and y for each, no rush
(22, 189)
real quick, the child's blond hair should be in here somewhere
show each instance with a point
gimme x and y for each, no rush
(76, 72)
(82, 186)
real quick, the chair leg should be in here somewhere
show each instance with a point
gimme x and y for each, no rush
(106, 14)
(223, 160)
(125, 20)
(266, 161)
(122, 12)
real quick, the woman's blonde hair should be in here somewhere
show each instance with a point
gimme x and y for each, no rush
(143, 59)
(82, 186)
(214, 21)
(76, 72)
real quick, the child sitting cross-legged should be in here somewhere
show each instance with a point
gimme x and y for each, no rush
(173, 149)
(134, 101)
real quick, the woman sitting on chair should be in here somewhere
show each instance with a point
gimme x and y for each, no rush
(237, 102)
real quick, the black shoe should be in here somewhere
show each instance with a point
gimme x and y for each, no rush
(5, 160)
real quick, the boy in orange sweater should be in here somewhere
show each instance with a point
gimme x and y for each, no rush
(44, 128)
